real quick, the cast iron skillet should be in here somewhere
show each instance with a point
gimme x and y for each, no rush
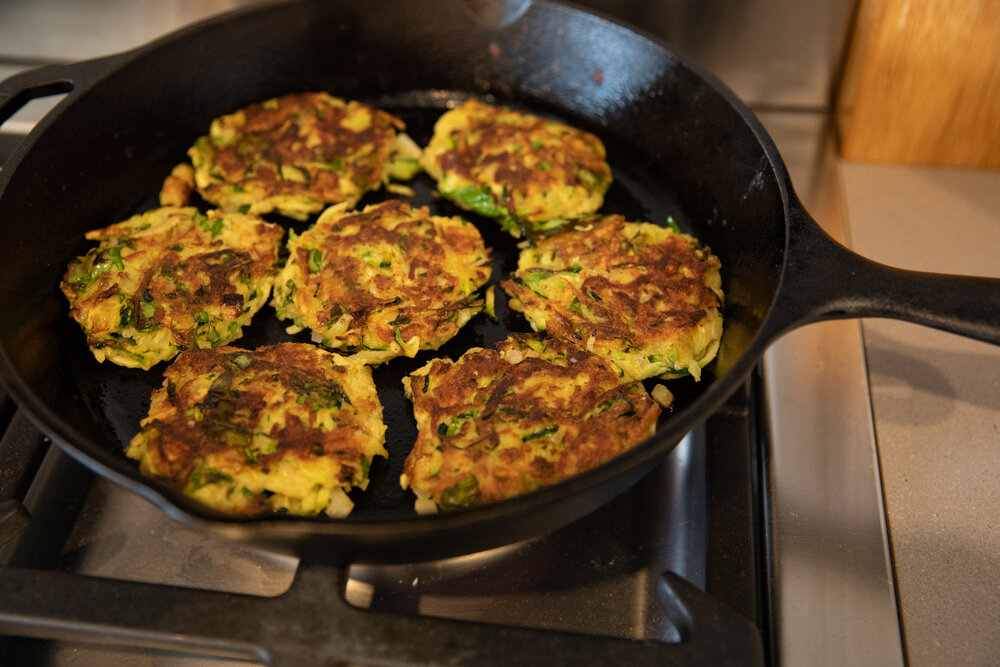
(679, 142)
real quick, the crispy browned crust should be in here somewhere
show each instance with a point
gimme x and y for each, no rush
(421, 271)
(564, 159)
(303, 131)
(517, 167)
(172, 269)
(640, 294)
(528, 413)
(671, 271)
(212, 403)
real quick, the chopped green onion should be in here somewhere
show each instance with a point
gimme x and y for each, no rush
(125, 315)
(477, 200)
(541, 433)
(315, 260)
(115, 256)
(462, 494)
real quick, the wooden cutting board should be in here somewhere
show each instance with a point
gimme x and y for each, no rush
(921, 84)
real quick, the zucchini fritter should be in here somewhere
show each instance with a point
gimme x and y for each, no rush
(530, 173)
(388, 281)
(171, 279)
(286, 428)
(646, 297)
(299, 153)
(504, 421)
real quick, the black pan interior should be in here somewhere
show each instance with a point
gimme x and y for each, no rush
(678, 143)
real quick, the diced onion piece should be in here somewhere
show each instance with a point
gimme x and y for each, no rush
(662, 395)
(513, 356)
(340, 504)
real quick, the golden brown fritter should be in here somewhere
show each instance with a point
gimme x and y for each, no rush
(646, 297)
(530, 173)
(299, 153)
(171, 279)
(286, 428)
(388, 281)
(530, 412)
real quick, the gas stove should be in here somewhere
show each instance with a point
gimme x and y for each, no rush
(668, 572)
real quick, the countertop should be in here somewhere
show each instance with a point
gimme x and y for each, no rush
(934, 402)
(936, 406)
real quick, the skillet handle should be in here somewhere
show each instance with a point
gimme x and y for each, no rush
(71, 78)
(824, 280)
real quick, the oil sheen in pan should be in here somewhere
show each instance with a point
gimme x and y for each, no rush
(119, 397)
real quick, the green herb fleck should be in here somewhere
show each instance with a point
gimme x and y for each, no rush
(115, 257)
(210, 225)
(318, 395)
(206, 476)
(476, 199)
(125, 315)
(213, 337)
(315, 260)
(541, 433)
(588, 178)
(462, 494)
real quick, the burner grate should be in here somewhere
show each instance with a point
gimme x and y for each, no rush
(312, 624)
